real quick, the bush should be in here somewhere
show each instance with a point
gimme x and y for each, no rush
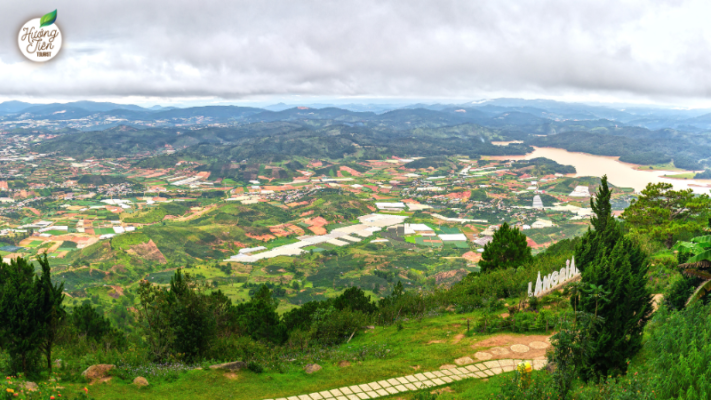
(331, 326)
(255, 367)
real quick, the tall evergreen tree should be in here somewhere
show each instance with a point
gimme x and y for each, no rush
(53, 313)
(611, 261)
(508, 249)
(21, 314)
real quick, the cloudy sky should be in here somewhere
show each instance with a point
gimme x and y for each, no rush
(180, 51)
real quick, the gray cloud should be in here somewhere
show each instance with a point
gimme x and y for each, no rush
(409, 48)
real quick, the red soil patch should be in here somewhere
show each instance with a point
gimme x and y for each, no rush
(263, 238)
(460, 195)
(147, 251)
(33, 210)
(449, 278)
(318, 230)
(301, 203)
(350, 171)
(318, 221)
(305, 213)
(472, 256)
(284, 230)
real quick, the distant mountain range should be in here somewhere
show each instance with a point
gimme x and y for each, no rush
(495, 112)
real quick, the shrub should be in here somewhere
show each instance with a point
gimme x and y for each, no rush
(255, 367)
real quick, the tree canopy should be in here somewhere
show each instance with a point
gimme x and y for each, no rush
(614, 276)
(662, 213)
(508, 249)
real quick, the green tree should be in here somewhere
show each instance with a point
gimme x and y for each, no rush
(609, 260)
(662, 213)
(508, 249)
(88, 322)
(697, 265)
(191, 317)
(355, 299)
(259, 318)
(21, 314)
(52, 310)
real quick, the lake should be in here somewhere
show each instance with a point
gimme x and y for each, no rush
(618, 173)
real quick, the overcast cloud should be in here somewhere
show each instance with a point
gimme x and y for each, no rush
(270, 49)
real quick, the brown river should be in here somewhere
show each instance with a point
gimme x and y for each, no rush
(618, 173)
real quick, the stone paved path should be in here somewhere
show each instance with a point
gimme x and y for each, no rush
(419, 381)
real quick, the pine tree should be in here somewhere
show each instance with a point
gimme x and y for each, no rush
(609, 260)
(53, 313)
(21, 314)
(508, 249)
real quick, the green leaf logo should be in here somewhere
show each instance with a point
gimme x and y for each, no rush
(48, 19)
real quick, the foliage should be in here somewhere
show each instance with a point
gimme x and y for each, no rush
(680, 345)
(697, 255)
(258, 317)
(612, 263)
(706, 174)
(663, 213)
(255, 367)
(544, 166)
(354, 299)
(572, 346)
(508, 249)
(30, 312)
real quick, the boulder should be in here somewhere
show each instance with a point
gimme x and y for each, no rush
(230, 366)
(96, 372)
(344, 363)
(140, 381)
(311, 368)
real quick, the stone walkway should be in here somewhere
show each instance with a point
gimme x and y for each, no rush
(419, 381)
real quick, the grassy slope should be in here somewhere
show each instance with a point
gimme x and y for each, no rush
(409, 348)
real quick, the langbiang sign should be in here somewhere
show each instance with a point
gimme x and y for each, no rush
(554, 280)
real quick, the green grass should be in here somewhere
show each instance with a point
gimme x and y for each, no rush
(408, 348)
(686, 175)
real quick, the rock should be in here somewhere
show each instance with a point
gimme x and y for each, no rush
(311, 368)
(482, 355)
(448, 366)
(140, 381)
(98, 371)
(30, 386)
(538, 345)
(520, 348)
(344, 363)
(464, 361)
(230, 366)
